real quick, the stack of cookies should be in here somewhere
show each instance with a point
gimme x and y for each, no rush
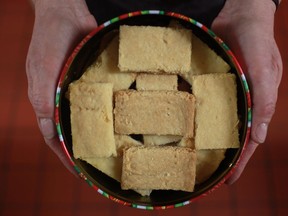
(132, 119)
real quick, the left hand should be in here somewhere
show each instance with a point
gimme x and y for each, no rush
(247, 28)
(58, 27)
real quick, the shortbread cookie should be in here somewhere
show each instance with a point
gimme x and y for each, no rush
(216, 120)
(105, 69)
(92, 119)
(160, 168)
(154, 112)
(204, 61)
(112, 166)
(146, 81)
(208, 161)
(155, 49)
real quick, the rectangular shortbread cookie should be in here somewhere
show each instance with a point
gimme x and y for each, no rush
(208, 160)
(204, 60)
(216, 120)
(160, 168)
(156, 82)
(105, 69)
(154, 112)
(92, 119)
(155, 49)
(145, 82)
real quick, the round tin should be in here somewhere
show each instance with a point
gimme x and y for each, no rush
(84, 54)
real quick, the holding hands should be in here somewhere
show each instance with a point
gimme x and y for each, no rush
(246, 26)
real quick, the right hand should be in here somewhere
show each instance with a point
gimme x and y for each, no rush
(59, 26)
(248, 29)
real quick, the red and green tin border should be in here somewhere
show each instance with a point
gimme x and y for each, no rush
(71, 59)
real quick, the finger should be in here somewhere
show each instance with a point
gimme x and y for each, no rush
(265, 76)
(264, 104)
(47, 53)
(41, 89)
(47, 127)
(247, 154)
(264, 88)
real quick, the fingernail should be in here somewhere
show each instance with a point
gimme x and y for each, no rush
(261, 132)
(47, 128)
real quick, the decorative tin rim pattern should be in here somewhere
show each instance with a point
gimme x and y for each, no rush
(139, 13)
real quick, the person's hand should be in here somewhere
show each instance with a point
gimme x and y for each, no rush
(247, 28)
(59, 26)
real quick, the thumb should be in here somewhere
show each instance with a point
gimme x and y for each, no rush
(264, 97)
(53, 38)
(264, 73)
(265, 77)
(264, 102)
